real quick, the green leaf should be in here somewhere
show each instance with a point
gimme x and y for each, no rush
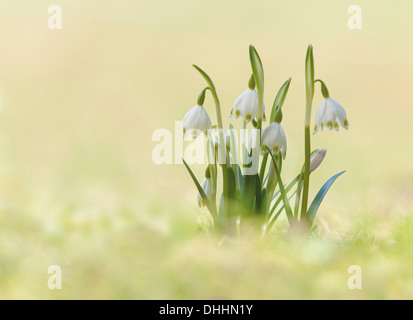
(248, 192)
(207, 79)
(211, 207)
(309, 72)
(287, 206)
(257, 69)
(258, 198)
(275, 217)
(279, 98)
(231, 183)
(234, 155)
(238, 175)
(287, 189)
(264, 198)
(263, 166)
(221, 212)
(214, 94)
(312, 210)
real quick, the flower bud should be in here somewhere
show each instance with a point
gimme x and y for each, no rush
(278, 115)
(251, 83)
(207, 173)
(201, 97)
(316, 159)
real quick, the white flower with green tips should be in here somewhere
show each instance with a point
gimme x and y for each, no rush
(196, 119)
(246, 105)
(330, 115)
(274, 138)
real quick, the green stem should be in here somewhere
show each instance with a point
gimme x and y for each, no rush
(212, 169)
(263, 165)
(324, 89)
(221, 134)
(258, 74)
(234, 154)
(309, 78)
(306, 173)
(298, 194)
(283, 193)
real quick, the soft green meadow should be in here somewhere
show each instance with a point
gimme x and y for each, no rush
(79, 189)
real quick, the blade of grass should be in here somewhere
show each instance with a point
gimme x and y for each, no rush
(287, 189)
(275, 217)
(288, 210)
(312, 210)
(211, 208)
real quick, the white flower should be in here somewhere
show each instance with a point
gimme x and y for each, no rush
(207, 187)
(196, 119)
(246, 105)
(274, 138)
(330, 114)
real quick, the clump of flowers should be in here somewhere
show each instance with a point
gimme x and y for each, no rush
(251, 183)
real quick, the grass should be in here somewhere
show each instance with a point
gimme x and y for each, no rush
(162, 258)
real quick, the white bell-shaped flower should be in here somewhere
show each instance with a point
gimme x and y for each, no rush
(246, 105)
(274, 138)
(330, 114)
(196, 119)
(207, 187)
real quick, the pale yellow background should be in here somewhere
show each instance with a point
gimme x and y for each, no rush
(78, 187)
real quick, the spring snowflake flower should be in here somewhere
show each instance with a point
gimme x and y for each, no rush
(274, 138)
(196, 119)
(330, 114)
(207, 187)
(246, 105)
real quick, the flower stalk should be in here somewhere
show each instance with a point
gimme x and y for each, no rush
(309, 80)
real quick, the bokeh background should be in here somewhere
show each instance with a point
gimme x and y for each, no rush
(79, 189)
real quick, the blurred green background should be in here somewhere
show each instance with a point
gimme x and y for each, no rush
(78, 187)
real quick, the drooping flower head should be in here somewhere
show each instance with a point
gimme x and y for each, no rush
(197, 118)
(246, 105)
(330, 115)
(207, 187)
(274, 138)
